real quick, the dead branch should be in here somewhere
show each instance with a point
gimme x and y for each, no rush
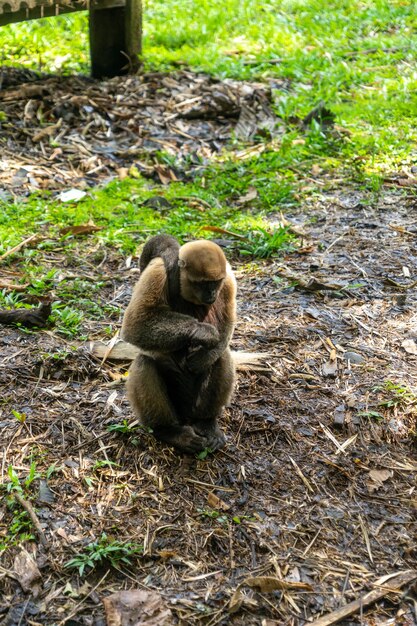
(25, 504)
(369, 598)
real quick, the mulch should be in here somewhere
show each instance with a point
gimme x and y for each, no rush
(76, 132)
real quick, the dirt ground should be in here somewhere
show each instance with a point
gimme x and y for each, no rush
(313, 501)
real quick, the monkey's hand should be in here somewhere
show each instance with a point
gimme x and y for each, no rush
(204, 335)
(183, 437)
(199, 358)
(191, 441)
(215, 438)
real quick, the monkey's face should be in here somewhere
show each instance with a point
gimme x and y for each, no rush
(201, 291)
(202, 271)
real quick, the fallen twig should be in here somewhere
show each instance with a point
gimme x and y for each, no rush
(25, 504)
(13, 286)
(37, 317)
(354, 53)
(306, 282)
(398, 581)
(20, 245)
(224, 231)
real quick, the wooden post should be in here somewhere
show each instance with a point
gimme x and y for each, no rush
(115, 37)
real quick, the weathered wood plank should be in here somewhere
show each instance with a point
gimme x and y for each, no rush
(35, 13)
(115, 38)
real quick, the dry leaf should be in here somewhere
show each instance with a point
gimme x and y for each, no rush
(165, 175)
(81, 229)
(330, 368)
(5, 283)
(26, 570)
(167, 554)
(48, 131)
(409, 346)
(238, 599)
(377, 479)
(249, 196)
(235, 601)
(136, 607)
(407, 182)
(306, 282)
(270, 583)
(264, 584)
(122, 172)
(223, 231)
(217, 503)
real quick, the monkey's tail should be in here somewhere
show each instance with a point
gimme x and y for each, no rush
(255, 361)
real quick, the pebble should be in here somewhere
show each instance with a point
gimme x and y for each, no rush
(353, 357)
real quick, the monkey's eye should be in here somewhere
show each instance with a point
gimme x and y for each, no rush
(209, 285)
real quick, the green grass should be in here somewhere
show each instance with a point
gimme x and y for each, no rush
(126, 220)
(58, 44)
(121, 211)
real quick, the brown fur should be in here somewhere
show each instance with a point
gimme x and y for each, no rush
(204, 260)
(185, 374)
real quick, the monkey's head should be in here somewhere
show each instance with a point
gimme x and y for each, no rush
(202, 271)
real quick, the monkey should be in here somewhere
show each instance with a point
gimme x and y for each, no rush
(182, 316)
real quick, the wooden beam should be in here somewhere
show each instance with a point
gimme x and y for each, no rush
(12, 17)
(115, 38)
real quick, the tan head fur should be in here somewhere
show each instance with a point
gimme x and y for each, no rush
(203, 260)
(202, 271)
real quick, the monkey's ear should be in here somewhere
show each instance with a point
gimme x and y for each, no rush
(181, 263)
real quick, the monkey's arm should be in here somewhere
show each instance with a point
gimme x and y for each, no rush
(150, 324)
(224, 311)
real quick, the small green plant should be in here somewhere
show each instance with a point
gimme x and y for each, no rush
(16, 484)
(10, 299)
(213, 514)
(67, 320)
(203, 454)
(238, 519)
(127, 428)
(18, 531)
(39, 286)
(373, 415)
(105, 550)
(354, 286)
(53, 469)
(398, 395)
(58, 355)
(263, 244)
(104, 463)
(19, 528)
(21, 417)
